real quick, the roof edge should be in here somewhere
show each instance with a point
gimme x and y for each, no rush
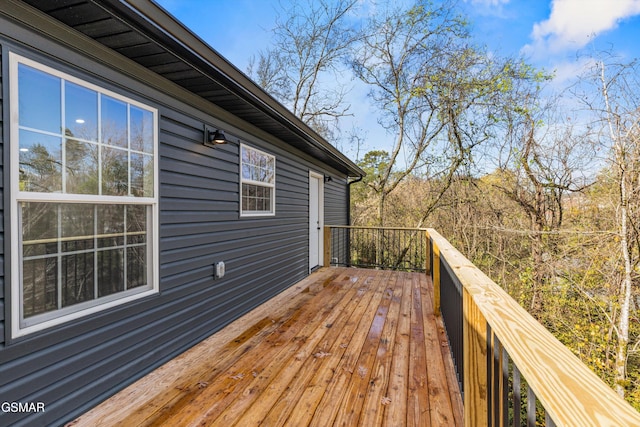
(154, 18)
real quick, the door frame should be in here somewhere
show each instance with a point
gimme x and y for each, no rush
(320, 234)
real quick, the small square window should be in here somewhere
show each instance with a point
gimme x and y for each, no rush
(257, 177)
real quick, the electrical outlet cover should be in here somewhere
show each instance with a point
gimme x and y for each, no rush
(220, 270)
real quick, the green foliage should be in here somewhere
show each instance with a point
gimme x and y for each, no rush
(375, 164)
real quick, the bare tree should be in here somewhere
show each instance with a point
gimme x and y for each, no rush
(302, 67)
(609, 90)
(436, 93)
(619, 108)
(541, 159)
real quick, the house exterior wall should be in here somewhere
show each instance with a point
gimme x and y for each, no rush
(2, 257)
(73, 366)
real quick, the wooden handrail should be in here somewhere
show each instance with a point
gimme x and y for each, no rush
(359, 227)
(570, 392)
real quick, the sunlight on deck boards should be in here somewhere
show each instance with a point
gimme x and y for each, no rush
(342, 347)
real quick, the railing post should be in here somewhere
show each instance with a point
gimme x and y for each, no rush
(475, 363)
(427, 253)
(435, 275)
(327, 246)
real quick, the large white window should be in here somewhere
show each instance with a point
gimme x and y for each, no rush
(84, 197)
(257, 181)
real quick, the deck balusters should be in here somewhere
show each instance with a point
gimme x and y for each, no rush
(401, 249)
(517, 397)
(531, 407)
(451, 311)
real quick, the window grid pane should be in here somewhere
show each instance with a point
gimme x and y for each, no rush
(34, 86)
(257, 171)
(40, 162)
(77, 278)
(40, 290)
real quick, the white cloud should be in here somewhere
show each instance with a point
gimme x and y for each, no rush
(566, 72)
(573, 23)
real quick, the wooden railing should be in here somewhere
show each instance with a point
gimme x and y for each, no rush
(512, 371)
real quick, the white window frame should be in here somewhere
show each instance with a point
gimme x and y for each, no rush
(20, 327)
(272, 186)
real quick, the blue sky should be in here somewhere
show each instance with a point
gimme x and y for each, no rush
(549, 33)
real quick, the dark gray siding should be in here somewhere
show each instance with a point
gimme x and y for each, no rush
(336, 202)
(74, 366)
(2, 281)
(336, 213)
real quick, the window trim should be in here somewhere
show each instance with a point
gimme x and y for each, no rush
(19, 326)
(247, 213)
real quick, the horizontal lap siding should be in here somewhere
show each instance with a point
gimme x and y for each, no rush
(201, 223)
(336, 213)
(2, 282)
(336, 202)
(73, 366)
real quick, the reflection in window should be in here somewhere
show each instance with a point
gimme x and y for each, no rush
(40, 162)
(81, 112)
(257, 175)
(82, 167)
(141, 175)
(141, 130)
(108, 155)
(36, 86)
(78, 252)
(115, 175)
(114, 122)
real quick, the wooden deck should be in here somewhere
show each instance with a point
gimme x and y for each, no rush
(342, 347)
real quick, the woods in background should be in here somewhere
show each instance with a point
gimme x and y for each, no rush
(539, 188)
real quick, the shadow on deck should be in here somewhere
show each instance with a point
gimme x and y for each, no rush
(344, 346)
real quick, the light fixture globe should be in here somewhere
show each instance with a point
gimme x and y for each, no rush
(213, 137)
(217, 137)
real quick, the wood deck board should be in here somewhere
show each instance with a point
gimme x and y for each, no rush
(342, 400)
(419, 405)
(342, 347)
(396, 403)
(377, 393)
(277, 401)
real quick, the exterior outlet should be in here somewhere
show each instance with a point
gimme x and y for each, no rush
(219, 270)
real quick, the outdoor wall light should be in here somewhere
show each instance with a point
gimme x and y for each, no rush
(327, 178)
(213, 137)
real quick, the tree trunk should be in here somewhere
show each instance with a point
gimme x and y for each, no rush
(381, 202)
(538, 274)
(625, 294)
(620, 147)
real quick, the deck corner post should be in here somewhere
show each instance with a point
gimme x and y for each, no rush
(327, 246)
(427, 254)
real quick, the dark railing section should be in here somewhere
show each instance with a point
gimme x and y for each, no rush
(451, 311)
(401, 249)
(511, 401)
